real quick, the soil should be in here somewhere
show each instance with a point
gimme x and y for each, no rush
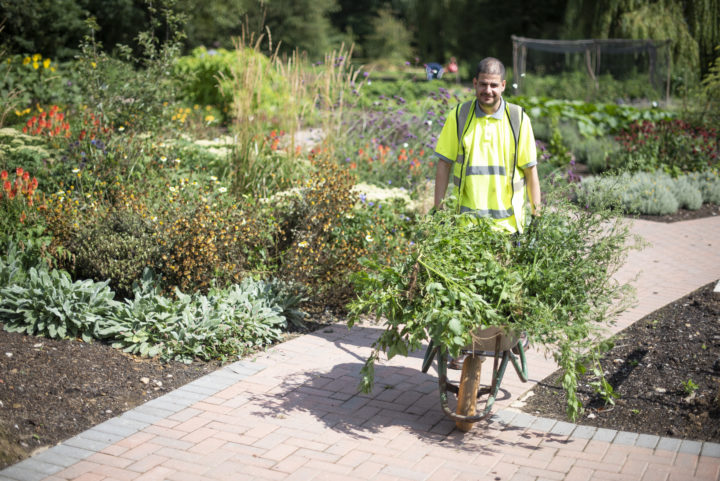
(51, 390)
(665, 369)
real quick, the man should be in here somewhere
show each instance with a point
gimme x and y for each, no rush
(489, 146)
(478, 144)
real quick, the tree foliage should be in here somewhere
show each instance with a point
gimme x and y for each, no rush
(693, 26)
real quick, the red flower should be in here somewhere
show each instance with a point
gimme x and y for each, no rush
(19, 171)
(26, 176)
(3, 175)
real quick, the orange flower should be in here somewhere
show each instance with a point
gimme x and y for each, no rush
(23, 217)
(353, 165)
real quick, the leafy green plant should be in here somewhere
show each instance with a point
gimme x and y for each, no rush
(116, 246)
(647, 193)
(689, 387)
(48, 303)
(672, 145)
(602, 387)
(554, 282)
(708, 183)
(225, 323)
(592, 119)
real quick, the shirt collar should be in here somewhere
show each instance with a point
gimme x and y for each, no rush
(498, 113)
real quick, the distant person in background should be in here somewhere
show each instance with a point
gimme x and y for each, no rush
(453, 68)
(434, 70)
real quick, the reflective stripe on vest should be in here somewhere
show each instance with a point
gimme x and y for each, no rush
(515, 114)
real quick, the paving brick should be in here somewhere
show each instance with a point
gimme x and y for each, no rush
(690, 447)
(30, 470)
(159, 473)
(63, 455)
(708, 468)
(290, 464)
(207, 446)
(146, 463)
(669, 444)
(711, 450)
(368, 469)
(578, 473)
(656, 473)
(605, 435)
(647, 441)
(584, 432)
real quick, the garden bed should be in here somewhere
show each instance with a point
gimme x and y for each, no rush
(665, 369)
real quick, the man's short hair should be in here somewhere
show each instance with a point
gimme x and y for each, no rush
(490, 66)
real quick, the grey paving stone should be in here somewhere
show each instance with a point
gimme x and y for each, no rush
(543, 424)
(224, 376)
(625, 438)
(504, 416)
(60, 458)
(17, 472)
(101, 436)
(245, 368)
(187, 396)
(669, 444)
(154, 411)
(31, 469)
(523, 420)
(563, 428)
(584, 432)
(125, 422)
(122, 425)
(198, 388)
(606, 435)
(86, 443)
(142, 417)
(711, 450)
(171, 403)
(647, 441)
(690, 447)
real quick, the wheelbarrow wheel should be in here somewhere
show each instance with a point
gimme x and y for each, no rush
(468, 390)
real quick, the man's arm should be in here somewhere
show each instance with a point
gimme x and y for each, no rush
(533, 188)
(442, 176)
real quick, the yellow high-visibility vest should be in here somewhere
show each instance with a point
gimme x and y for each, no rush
(489, 153)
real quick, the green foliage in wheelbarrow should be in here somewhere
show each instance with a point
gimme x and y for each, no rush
(554, 281)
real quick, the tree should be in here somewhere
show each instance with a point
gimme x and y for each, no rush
(389, 40)
(693, 26)
(53, 28)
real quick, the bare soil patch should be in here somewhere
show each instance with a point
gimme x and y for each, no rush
(665, 369)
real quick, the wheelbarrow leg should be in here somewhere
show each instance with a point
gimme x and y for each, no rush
(468, 392)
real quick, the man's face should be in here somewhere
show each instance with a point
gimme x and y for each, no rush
(489, 89)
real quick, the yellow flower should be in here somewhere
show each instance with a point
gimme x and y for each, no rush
(209, 118)
(27, 60)
(46, 63)
(36, 65)
(36, 57)
(93, 64)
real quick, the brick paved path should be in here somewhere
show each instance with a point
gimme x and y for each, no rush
(293, 413)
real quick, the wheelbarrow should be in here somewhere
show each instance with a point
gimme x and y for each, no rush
(500, 344)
